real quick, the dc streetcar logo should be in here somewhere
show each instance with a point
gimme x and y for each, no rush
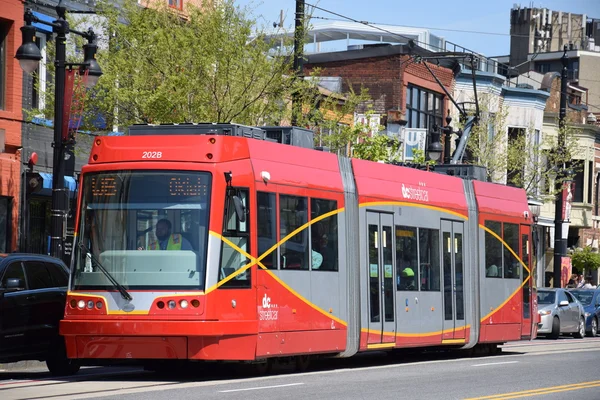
(413, 193)
(268, 311)
(266, 302)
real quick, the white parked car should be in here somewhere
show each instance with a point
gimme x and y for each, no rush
(560, 312)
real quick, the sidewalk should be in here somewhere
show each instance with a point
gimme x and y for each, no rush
(29, 366)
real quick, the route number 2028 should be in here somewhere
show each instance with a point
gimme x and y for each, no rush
(152, 154)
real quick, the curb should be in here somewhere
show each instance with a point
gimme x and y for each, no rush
(28, 366)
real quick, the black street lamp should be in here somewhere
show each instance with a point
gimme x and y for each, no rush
(434, 149)
(29, 57)
(560, 240)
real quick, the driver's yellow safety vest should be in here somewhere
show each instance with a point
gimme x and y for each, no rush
(174, 243)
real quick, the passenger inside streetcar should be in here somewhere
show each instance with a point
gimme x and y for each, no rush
(407, 279)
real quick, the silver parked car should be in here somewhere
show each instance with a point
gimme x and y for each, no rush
(560, 312)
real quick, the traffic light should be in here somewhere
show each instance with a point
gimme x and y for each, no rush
(34, 182)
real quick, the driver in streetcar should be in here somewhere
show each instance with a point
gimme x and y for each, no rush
(166, 239)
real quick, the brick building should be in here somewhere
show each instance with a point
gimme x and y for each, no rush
(11, 116)
(402, 92)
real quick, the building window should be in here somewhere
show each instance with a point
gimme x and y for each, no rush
(178, 4)
(590, 181)
(423, 108)
(542, 68)
(515, 168)
(3, 33)
(578, 167)
(537, 141)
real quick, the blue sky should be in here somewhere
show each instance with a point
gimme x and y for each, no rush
(471, 15)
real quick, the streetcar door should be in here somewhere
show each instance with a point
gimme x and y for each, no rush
(527, 281)
(380, 269)
(453, 266)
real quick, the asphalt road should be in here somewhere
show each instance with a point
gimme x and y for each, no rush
(563, 369)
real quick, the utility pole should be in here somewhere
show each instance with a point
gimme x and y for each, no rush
(560, 242)
(298, 56)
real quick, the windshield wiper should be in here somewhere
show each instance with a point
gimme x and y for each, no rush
(112, 280)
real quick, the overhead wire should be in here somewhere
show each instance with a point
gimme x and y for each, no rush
(372, 25)
(438, 29)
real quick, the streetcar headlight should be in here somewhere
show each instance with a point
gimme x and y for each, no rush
(81, 304)
(171, 304)
(99, 305)
(90, 304)
(183, 303)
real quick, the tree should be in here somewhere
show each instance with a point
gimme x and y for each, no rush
(521, 157)
(377, 148)
(585, 260)
(211, 64)
(332, 117)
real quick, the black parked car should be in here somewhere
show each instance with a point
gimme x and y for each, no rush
(33, 291)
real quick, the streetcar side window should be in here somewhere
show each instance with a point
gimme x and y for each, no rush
(493, 250)
(234, 271)
(429, 259)
(267, 228)
(512, 266)
(293, 214)
(324, 239)
(407, 262)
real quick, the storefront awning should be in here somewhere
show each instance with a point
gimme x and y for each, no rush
(70, 182)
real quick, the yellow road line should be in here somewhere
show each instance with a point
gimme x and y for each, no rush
(538, 392)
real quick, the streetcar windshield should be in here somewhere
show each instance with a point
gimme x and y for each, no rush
(146, 229)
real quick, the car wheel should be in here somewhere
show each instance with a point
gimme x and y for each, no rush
(555, 328)
(594, 330)
(581, 332)
(58, 363)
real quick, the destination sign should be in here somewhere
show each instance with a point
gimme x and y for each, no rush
(187, 186)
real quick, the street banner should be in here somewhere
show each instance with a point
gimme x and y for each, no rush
(565, 271)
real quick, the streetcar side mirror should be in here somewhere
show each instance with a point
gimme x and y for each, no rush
(240, 210)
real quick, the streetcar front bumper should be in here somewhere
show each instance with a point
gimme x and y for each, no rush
(160, 339)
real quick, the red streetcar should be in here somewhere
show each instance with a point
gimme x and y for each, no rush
(203, 243)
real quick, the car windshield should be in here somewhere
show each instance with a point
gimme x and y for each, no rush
(546, 297)
(127, 214)
(584, 296)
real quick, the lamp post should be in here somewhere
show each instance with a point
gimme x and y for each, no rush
(434, 149)
(560, 242)
(29, 57)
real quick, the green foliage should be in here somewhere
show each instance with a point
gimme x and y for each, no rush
(514, 156)
(419, 158)
(212, 65)
(331, 115)
(585, 260)
(377, 148)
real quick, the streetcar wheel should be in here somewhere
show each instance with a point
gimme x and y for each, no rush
(302, 363)
(555, 328)
(57, 361)
(581, 332)
(594, 330)
(263, 368)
